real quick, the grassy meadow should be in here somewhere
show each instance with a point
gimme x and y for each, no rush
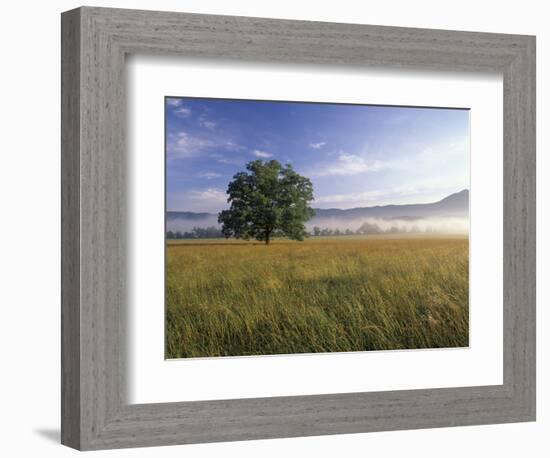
(334, 294)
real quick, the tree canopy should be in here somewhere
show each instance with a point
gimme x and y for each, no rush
(267, 200)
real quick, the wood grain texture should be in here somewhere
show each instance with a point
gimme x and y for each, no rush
(70, 229)
(96, 414)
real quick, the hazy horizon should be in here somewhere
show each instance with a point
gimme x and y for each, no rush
(339, 208)
(448, 220)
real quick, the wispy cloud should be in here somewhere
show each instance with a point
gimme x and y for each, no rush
(230, 145)
(210, 194)
(205, 122)
(233, 160)
(182, 145)
(350, 164)
(209, 124)
(317, 145)
(198, 200)
(173, 102)
(350, 197)
(420, 192)
(261, 154)
(182, 111)
(210, 175)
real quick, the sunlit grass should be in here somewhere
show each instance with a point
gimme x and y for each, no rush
(231, 298)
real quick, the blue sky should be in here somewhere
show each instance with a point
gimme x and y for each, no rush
(355, 155)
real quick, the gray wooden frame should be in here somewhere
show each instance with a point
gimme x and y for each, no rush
(95, 413)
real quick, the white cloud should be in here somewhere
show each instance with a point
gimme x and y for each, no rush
(205, 122)
(209, 124)
(262, 154)
(173, 102)
(231, 160)
(317, 145)
(210, 195)
(422, 192)
(182, 145)
(210, 200)
(232, 146)
(183, 112)
(350, 197)
(350, 164)
(209, 175)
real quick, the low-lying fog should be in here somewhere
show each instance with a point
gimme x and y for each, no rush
(187, 225)
(361, 225)
(443, 225)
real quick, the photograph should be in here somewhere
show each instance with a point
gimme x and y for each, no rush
(296, 227)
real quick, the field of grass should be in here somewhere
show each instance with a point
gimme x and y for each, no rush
(233, 298)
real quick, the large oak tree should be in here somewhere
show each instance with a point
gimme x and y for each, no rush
(267, 200)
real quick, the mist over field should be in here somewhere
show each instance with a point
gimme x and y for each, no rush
(447, 216)
(182, 224)
(445, 225)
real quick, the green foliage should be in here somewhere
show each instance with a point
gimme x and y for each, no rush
(233, 298)
(268, 200)
(197, 233)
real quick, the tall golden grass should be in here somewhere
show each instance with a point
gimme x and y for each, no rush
(228, 298)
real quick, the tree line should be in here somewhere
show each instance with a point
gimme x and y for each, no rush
(365, 229)
(368, 229)
(210, 232)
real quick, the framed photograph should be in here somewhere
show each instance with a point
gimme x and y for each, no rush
(284, 236)
(279, 228)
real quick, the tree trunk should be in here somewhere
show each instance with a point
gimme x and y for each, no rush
(267, 231)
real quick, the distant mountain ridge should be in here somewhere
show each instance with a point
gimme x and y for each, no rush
(188, 215)
(455, 205)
